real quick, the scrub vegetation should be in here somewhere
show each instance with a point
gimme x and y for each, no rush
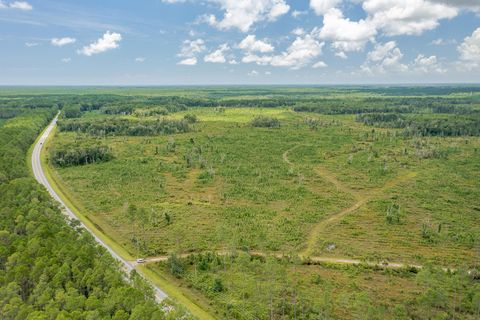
(286, 203)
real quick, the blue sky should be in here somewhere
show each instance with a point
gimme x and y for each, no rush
(185, 42)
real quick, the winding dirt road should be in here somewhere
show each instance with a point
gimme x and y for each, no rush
(361, 199)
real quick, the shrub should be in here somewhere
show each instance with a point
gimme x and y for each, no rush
(190, 118)
(265, 122)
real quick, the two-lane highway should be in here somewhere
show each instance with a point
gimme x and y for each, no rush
(41, 178)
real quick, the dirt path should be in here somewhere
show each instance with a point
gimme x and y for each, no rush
(361, 199)
(332, 260)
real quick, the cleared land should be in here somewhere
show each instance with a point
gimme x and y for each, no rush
(324, 187)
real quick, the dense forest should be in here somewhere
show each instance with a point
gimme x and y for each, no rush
(51, 268)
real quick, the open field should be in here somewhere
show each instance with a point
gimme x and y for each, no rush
(381, 175)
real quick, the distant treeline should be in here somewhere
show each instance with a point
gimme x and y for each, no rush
(117, 126)
(421, 126)
(388, 105)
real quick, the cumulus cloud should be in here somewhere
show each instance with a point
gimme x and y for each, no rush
(60, 42)
(244, 14)
(385, 57)
(189, 61)
(251, 44)
(427, 65)
(346, 35)
(299, 54)
(321, 7)
(298, 31)
(19, 5)
(31, 44)
(388, 17)
(407, 17)
(320, 64)
(469, 51)
(66, 60)
(218, 56)
(140, 59)
(473, 5)
(191, 48)
(109, 41)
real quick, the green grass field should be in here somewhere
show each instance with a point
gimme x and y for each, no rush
(320, 185)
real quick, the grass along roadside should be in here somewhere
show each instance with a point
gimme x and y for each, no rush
(182, 296)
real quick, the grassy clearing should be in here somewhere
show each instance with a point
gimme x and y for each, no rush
(228, 176)
(320, 185)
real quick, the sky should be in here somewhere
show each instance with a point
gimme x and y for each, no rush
(222, 42)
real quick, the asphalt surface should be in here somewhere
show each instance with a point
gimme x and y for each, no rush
(127, 266)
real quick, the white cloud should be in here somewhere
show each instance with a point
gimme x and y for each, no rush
(298, 31)
(244, 14)
(473, 5)
(469, 51)
(218, 56)
(232, 61)
(407, 17)
(341, 55)
(443, 42)
(251, 44)
(300, 53)
(427, 64)
(321, 7)
(19, 5)
(31, 44)
(60, 42)
(188, 61)
(320, 64)
(107, 42)
(346, 35)
(297, 13)
(190, 48)
(66, 60)
(140, 59)
(260, 60)
(253, 73)
(385, 57)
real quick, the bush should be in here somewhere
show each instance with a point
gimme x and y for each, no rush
(190, 118)
(265, 122)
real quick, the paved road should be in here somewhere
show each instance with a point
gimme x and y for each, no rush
(41, 178)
